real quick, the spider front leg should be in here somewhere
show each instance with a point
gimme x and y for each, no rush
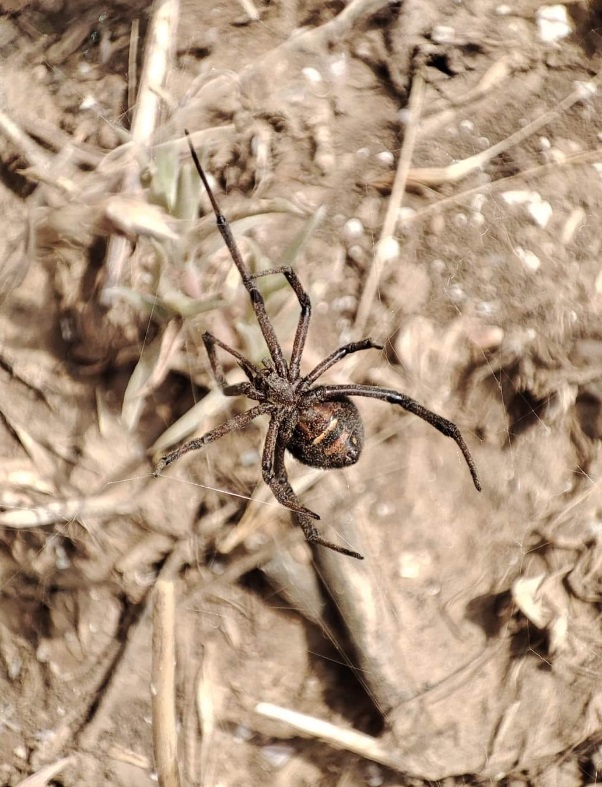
(255, 296)
(238, 422)
(252, 372)
(274, 474)
(336, 356)
(304, 317)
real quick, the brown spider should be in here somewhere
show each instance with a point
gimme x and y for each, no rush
(319, 425)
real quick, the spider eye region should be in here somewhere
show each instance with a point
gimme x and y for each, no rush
(328, 434)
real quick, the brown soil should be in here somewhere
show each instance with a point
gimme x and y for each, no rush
(466, 647)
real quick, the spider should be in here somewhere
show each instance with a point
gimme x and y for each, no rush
(318, 424)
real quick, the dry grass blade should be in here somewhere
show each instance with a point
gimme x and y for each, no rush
(493, 79)
(250, 10)
(401, 177)
(157, 61)
(65, 511)
(582, 157)
(131, 215)
(46, 774)
(33, 152)
(298, 245)
(211, 405)
(164, 689)
(238, 568)
(159, 52)
(338, 27)
(206, 703)
(150, 371)
(350, 740)
(43, 458)
(201, 139)
(434, 176)
(132, 62)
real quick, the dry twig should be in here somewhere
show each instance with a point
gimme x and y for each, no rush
(386, 238)
(435, 176)
(165, 739)
(343, 738)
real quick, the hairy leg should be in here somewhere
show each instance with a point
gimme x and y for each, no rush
(336, 356)
(256, 297)
(304, 317)
(274, 471)
(240, 389)
(238, 422)
(276, 477)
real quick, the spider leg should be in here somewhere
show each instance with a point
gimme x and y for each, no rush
(274, 471)
(304, 317)
(238, 422)
(252, 372)
(336, 356)
(312, 535)
(256, 297)
(327, 392)
(276, 478)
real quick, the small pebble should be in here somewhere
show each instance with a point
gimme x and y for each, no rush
(552, 23)
(277, 754)
(541, 213)
(353, 230)
(338, 66)
(357, 254)
(486, 337)
(413, 565)
(486, 308)
(587, 90)
(312, 74)
(529, 259)
(404, 116)
(405, 214)
(374, 775)
(477, 219)
(242, 733)
(388, 249)
(478, 202)
(456, 294)
(88, 102)
(385, 157)
(443, 34)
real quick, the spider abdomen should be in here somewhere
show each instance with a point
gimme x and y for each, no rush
(328, 434)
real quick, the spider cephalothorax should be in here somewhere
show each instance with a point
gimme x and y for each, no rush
(318, 424)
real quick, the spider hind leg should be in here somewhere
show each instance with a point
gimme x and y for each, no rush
(274, 470)
(313, 536)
